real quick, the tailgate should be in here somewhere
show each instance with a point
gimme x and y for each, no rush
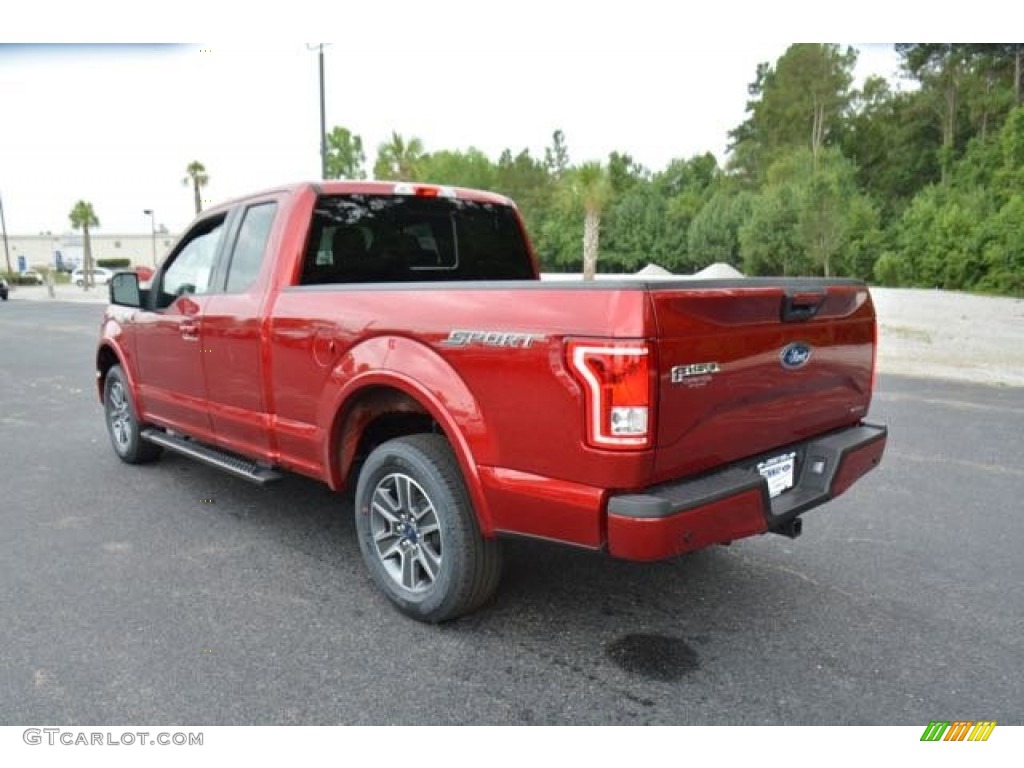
(748, 366)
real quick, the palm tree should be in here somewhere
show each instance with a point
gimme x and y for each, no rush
(397, 159)
(82, 217)
(197, 178)
(591, 187)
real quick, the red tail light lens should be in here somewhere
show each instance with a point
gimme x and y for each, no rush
(616, 380)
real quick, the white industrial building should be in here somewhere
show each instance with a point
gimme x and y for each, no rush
(39, 251)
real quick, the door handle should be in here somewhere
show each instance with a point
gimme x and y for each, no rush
(189, 330)
(799, 307)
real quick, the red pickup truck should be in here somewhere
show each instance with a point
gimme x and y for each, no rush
(397, 337)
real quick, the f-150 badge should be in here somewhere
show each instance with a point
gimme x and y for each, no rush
(681, 373)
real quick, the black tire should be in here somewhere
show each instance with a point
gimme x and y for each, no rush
(432, 527)
(123, 422)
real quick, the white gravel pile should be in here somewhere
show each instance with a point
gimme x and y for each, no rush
(950, 335)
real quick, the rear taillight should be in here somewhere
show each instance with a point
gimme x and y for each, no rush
(617, 384)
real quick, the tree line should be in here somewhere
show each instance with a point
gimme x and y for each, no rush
(919, 183)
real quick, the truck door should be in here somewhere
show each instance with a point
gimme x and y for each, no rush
(171, 357)
(232, 337)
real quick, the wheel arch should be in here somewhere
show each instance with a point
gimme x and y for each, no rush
(107, 356)
(386, 402)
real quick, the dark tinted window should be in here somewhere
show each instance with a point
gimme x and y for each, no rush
(250, 247)
(383, 238)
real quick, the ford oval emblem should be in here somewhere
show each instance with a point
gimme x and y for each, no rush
(795, 355)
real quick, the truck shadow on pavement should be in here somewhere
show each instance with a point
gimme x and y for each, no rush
(652, 619)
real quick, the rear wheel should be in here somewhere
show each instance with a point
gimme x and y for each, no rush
(418, 532)
(123, 423)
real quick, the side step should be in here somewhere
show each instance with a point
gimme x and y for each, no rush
(242, 468)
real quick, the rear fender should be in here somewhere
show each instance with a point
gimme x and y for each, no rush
(424, 376)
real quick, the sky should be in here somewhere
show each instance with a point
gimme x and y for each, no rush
(116, 125)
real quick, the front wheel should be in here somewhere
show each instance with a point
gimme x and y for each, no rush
(418, 532)
(122, 421)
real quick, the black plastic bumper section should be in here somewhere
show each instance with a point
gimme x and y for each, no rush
(818, 461)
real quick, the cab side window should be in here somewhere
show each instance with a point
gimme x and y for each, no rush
(192, 269)
(250, 246)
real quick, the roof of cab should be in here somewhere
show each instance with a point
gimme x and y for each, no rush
(368, 188)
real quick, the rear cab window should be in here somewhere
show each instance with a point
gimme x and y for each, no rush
(395, 238)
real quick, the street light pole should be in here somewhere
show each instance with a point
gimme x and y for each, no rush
(152, 226)
(323, 119)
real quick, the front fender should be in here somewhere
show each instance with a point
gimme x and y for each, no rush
(113, 342)
(421, 373)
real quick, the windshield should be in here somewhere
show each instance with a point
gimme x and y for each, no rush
(384, 238)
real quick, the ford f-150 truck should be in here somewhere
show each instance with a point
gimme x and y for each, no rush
(397, 337)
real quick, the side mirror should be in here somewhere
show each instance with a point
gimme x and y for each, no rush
(124, 290)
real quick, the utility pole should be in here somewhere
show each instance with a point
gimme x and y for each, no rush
(323, 120)
(3, 225)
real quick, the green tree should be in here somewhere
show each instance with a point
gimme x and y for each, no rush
(527, 182)
(989, 92)
(865, 239)
(556, 157)
(686, 185)
(83, 217)
(1002, 247)
(945, 72)
(769, 241)
(892, 139)
(197, 178)
(559, 234)
(937, 243)
(398, 158)
(345, 156)
(797, 103)
(714, 232)
(1009, 177)
(824, 186)
(633, 229)
(633, 219)
(834, 226)
(624, 172)
(471, 168)
(979, 167)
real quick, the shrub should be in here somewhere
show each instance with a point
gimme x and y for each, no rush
(114, 263)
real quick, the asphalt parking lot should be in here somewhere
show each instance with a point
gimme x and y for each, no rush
(175, 594)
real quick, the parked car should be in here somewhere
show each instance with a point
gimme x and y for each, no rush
(30, 277)
(100, 276)
(396, 339)
(3, 289)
